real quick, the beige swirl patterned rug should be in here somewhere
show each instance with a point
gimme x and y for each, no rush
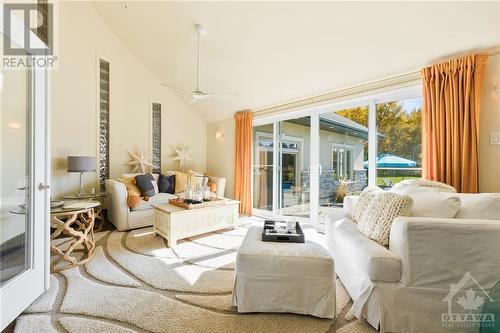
(136, 284)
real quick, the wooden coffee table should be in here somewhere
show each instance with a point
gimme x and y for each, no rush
(174, 223)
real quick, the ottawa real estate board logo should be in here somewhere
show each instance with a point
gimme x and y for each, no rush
(466, 305)
(28, 35)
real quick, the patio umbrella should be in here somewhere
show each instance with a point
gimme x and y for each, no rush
(392, 161)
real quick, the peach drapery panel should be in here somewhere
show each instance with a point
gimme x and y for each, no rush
(243, 161)
(450, 121)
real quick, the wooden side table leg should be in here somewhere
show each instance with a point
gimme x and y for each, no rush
(79, 226)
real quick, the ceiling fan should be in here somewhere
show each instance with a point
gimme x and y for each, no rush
(198, 94)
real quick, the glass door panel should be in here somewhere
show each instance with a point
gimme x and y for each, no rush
(263, 169)
(24, 243)
(343, 158)
(15, 255)
(294, 167)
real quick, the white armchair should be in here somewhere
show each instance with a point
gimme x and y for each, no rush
(406, 287)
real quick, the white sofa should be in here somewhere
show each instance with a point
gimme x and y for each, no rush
(405, 287)
(125, 218)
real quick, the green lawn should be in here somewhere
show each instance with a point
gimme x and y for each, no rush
(394, 180)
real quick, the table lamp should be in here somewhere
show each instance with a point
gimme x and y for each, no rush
(81, 164)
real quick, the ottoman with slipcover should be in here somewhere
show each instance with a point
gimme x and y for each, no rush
(284, 277)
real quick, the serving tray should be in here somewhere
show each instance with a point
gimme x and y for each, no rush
(281, 237)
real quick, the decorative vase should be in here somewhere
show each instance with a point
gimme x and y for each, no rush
(188, 192)
(198, 194)
(207, 195)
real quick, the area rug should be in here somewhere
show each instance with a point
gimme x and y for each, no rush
(136, 284)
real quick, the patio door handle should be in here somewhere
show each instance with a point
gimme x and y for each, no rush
(320, 169)
(43, 187)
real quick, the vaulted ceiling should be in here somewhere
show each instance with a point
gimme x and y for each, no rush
(272, 52)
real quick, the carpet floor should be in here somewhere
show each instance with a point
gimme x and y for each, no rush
(136, 284)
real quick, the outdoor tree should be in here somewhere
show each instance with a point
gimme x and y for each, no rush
(399, 131)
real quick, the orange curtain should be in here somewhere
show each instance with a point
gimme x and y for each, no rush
(450, 121)
(243, 161)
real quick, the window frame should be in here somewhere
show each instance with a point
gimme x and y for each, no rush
(346, 148)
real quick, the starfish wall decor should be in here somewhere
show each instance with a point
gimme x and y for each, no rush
(139, 161)
(183, 155)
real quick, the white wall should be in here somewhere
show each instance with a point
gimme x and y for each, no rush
(221, 152)
(82, 36)
(489, 155)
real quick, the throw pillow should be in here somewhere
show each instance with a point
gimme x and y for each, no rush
(483, 206)
(166, 184)
(133, 199)
(147, 184)
(212, 186)
(409, 185)
(364, 200)
(130, 184)
(381, 212)
(181, 180)
(432, 203)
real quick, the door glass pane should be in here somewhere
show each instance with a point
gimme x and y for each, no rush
(294, 177)
(343, 150)
(399, 147)
(15, 226)
(263, 167)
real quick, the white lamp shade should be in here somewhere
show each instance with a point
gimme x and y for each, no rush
(81, 163)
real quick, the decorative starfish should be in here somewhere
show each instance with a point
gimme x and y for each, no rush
(139, 162)
(183, 155)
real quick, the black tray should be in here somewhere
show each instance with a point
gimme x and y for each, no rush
(282, 238)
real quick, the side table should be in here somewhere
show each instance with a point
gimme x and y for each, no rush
(77, 224)
(98, 196)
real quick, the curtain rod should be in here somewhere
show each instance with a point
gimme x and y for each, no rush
(409, 76)
(372, 85)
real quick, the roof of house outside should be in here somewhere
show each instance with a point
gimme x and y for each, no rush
(343, 121)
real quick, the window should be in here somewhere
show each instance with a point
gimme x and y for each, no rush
(156, 136)
(342, 162)
(103, 121)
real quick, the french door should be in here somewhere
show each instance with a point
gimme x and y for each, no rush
(24, 194)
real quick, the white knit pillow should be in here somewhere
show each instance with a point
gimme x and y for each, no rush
(364, 200)
(381, 212)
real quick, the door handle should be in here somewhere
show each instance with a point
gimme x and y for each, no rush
(320, 169)
(43, 187)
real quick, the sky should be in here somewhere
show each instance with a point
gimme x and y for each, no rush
(410, 104)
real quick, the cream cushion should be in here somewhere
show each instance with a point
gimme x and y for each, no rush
(159, 198)
(181, 180)
(363, 254)
(479, 206)
(407, 186)
(430, 202)
(364, 200)
(384, 207)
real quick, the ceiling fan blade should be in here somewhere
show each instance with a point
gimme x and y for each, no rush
(173, 87)
(222, 95)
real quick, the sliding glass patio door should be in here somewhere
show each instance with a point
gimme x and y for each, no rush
(305, 166)
(294, 167)
(282, 166)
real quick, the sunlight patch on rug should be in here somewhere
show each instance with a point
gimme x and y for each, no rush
(169, 273)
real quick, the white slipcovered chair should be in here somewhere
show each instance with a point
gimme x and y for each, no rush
(405, 287)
